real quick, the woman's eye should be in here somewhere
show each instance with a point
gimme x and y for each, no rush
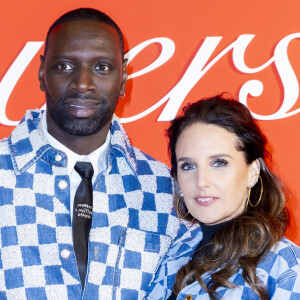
(102, 67)
(219, 163)
(64, 67)
(187, 166)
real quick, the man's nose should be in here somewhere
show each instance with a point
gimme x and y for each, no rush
(83, 81)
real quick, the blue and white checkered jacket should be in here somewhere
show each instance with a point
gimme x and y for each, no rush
(279, 271)
(133, 224)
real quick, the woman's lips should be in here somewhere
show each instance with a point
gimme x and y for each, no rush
(205, 201)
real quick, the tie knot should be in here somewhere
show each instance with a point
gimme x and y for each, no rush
(84, 169)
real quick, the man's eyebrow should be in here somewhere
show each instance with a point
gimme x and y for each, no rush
(70, 55)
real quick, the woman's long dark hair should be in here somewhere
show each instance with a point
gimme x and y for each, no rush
(245, 240)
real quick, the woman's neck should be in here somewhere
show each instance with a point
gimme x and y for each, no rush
(209, 232)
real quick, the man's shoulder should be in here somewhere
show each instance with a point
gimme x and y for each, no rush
(24, 141)
(142, 162)
(4, 150)
(26, 126)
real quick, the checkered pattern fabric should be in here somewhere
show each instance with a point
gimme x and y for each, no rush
(133, 223)
(279, 271)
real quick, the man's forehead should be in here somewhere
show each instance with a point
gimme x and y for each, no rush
(88, 30)
(77, 27)
(83, 24)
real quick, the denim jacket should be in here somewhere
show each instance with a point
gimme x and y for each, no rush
(133, 224)
(279, 271)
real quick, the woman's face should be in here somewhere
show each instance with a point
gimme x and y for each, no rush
(212, 174)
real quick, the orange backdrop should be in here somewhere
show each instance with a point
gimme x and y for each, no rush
(179, 52)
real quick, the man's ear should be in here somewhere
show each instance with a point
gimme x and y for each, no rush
(41, 74)
(254, 172)
(124, 77)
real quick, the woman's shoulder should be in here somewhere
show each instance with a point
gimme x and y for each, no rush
(280, 270)
(287, 250)
(283, 259)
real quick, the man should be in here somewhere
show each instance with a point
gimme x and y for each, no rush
(49, 248)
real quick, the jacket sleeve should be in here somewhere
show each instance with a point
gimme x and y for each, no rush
(179, 254)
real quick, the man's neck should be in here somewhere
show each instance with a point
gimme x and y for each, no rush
(82, 145)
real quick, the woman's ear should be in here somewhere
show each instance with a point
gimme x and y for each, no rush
(254, 171)
(177, 189)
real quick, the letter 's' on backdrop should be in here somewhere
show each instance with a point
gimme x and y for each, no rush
(178, 51)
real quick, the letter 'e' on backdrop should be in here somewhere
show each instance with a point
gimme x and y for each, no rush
(178, 52)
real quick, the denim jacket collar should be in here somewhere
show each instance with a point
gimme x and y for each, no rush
(27, 144)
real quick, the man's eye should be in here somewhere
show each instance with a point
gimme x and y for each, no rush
(102, 68)
(64, 67)
(219, 163)
(187, 166)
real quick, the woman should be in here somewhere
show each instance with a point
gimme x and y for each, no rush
(217, 156)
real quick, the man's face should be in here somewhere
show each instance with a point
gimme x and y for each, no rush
(83, 75)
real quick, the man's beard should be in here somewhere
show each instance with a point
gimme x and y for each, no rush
(76, 126)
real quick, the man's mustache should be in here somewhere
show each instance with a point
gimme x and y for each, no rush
(83, 96)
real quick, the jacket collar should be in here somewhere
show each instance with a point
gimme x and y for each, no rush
(120, 142)
(27, 144)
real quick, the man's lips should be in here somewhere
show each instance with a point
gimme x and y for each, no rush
(80, 108)
(81, 103)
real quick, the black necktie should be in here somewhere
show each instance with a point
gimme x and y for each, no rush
(82, 216)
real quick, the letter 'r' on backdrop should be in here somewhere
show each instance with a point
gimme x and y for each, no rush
(178, 51)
